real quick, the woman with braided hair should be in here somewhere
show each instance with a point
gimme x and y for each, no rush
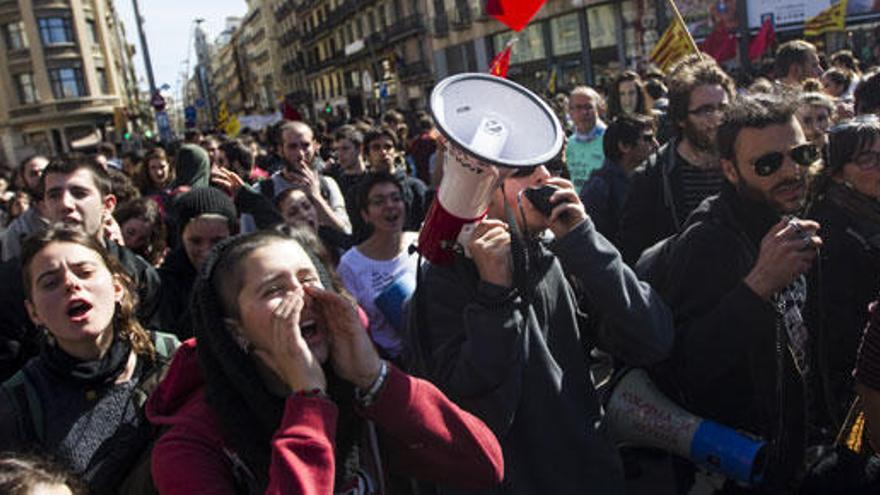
(286, 393)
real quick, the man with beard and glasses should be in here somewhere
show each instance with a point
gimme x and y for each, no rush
(298, 149)
(673, 181)
(734, 279)
(33, 219)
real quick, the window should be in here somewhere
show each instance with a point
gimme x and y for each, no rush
(93, 31)
(15, 37)
(101, 76)
(566, 34)
(55, 30)
(529, 47)
(27, 90)
(67, 82)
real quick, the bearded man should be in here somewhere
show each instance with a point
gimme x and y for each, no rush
(685, 171)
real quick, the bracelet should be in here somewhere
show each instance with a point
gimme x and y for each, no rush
(367, 398)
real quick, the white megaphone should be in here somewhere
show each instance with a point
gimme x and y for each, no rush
(491, 127)
(639, 415)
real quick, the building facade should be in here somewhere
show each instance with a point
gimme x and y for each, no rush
(68, 69)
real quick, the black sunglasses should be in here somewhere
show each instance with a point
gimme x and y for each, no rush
(523, 172)
(804, 155)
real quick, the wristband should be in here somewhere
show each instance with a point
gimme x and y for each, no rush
(367, 398)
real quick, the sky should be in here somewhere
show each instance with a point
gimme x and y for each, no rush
(168, 25)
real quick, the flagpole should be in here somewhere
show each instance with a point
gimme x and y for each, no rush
(680, 20)
(507, 46)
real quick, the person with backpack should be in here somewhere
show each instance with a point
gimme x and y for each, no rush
(81, 399)
(734, 279)
(282, 390)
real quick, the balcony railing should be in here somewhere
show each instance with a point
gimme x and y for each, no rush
(405, 27)
(441, 26)
(460, 18)
(289, 36)
(284, 9)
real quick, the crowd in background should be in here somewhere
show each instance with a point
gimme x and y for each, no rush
(724, 237)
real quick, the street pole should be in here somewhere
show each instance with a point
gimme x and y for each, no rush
(161, 117)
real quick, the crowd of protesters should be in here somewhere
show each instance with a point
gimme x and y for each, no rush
(248, 314)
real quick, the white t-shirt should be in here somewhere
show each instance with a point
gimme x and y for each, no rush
(381, 288)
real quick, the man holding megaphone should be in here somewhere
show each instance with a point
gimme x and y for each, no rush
(496, 324)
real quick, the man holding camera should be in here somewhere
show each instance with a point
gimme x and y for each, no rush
(734, 279)
(512, 345)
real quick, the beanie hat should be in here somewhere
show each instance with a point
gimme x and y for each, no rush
(203, 200)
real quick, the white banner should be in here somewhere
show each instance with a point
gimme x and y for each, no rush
(784, 12)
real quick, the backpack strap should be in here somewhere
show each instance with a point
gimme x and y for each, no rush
(27, 406)
(166, 344)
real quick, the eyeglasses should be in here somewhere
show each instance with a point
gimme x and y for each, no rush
(709, 109)
(804, 155)
(867, 160)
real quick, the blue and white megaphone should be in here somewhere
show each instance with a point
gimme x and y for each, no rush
(637, 414)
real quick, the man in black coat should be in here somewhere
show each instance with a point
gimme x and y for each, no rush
(76, 193)
(734, 280)
(684, 172)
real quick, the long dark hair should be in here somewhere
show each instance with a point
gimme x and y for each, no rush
(250, 414)
(146, 209)
(845, 141)
(125, 322)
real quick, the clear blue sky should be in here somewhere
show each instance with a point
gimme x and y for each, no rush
(168, 25)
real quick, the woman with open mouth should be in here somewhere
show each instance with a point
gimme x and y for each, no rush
(286, 393)
(81, 399)
(380, 272)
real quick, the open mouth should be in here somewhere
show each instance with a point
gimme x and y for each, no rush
(78, 309)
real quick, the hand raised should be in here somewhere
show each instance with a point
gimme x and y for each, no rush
(787, 251)
(351, 351)
(289, 355)
(489, 247)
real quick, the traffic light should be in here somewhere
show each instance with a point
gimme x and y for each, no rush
(328, 109)
(148, 133)
(126, 136)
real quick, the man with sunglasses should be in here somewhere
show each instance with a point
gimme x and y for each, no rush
(734, 279)
(628, 142)
(380, 146)
(673, 181)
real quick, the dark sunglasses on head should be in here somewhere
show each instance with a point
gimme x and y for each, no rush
(804, 155)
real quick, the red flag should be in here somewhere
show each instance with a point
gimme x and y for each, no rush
(501, 62)
(514, 14)
(763, 40)
(721, 43)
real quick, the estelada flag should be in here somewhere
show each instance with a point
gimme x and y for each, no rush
(763, 40)
(514, 14)
(672, 46)
(501, 62)
(831, 19)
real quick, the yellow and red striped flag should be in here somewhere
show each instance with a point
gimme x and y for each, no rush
(831, 19)
(674, 45)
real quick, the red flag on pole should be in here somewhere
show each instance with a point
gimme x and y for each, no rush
(763, 40)
(514, 14)
(721, 43)
(501, 62)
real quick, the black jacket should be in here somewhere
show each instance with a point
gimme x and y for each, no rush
(725, 359)
(603, 196)
(178, 276)
(20, 340)
(654, 208)
(521, 363)
(842, 284)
